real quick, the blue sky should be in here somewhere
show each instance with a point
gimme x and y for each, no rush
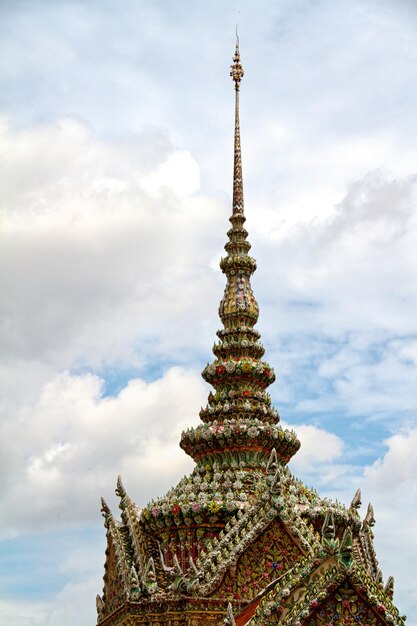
(116, 131)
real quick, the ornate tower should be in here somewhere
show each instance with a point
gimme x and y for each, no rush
(240, 539)
(240, 427)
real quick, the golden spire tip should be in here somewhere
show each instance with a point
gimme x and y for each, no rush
(236, 70)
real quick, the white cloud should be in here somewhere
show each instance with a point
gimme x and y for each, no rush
(24, 613)
(348, 263)
(67, 450)
(93, 262)
(179, 172)
(368, 376)
(74, 604)
(340, 298)
(397, 471)
(319, 448)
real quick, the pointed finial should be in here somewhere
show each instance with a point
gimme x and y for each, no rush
(104, 507)
(237, 40)
(134, 580)
(272, 461)
(99, 606)
(328, 529)
(389, 587)
(236, 70)
(369, 520)
(346, 547)
(106, 513)
(236, 73)
(193, 567)
(120, 490)
(357, 501)
(230, 619)
(149, 578)
(165, 567)
(275, 482)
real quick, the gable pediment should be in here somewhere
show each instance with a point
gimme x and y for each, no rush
(328, 592)
(270, 554)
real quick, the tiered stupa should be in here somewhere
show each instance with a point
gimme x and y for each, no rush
(241, 540)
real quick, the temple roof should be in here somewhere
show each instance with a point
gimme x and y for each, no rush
(241, 529)
(328, 557)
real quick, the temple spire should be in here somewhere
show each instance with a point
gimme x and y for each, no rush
(238, 307)
(239, 376)
(236, 72)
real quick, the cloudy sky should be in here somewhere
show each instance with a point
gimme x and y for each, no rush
(116, 134)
